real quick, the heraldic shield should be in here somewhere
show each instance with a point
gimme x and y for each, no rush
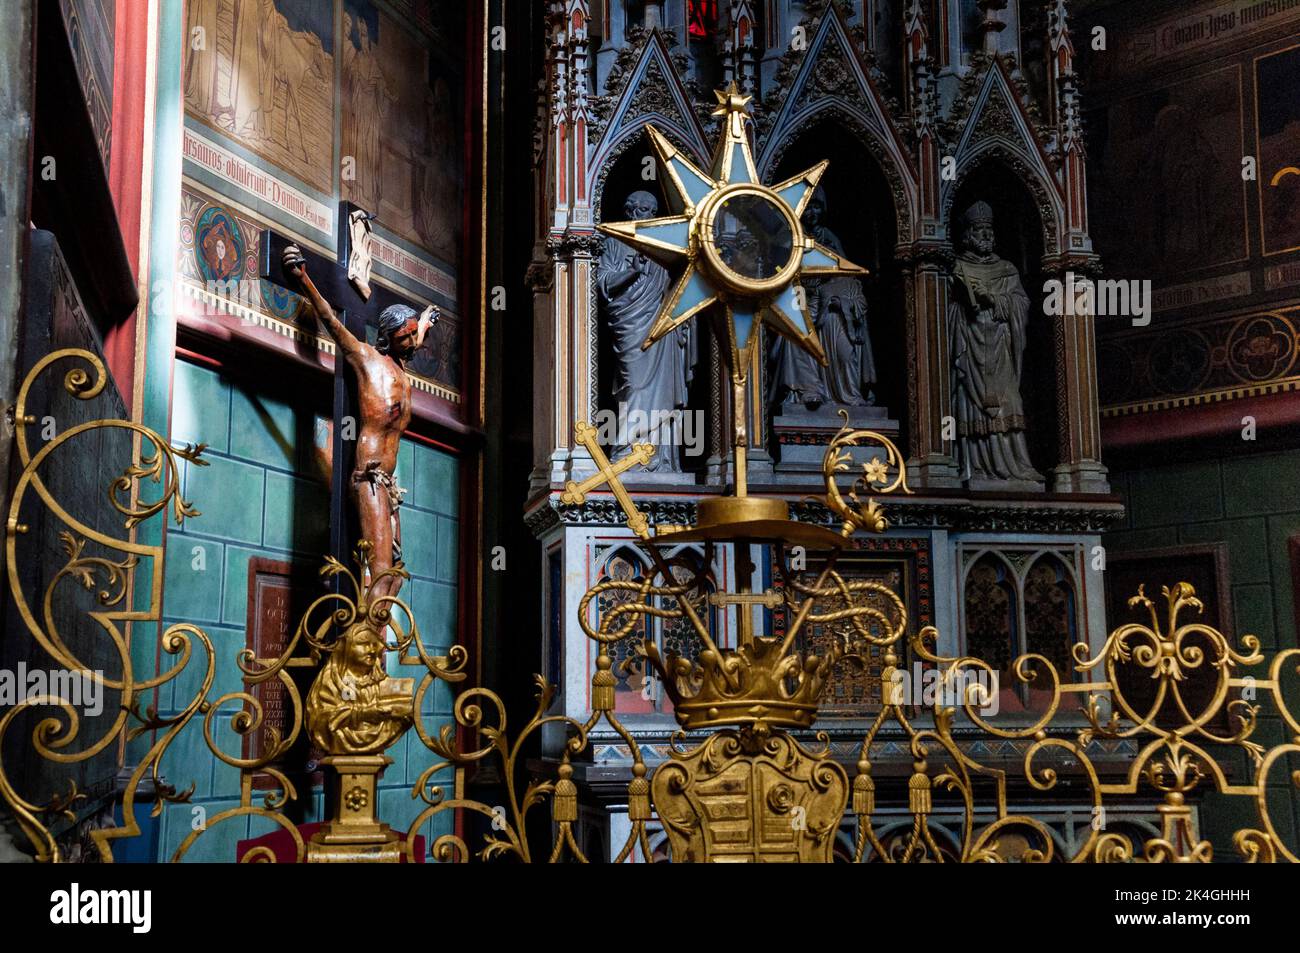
(748, 797)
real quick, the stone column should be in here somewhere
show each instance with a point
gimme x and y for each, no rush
(565, 347)
(712, 364)
(540, 280)
(760, 461)
(1079, 431)
(580, 249)
(1080, 469)
(932, 459)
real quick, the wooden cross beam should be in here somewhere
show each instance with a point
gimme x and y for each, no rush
(355, 312)
(609, 473)
(330, 276)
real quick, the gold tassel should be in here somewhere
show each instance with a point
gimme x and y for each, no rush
(864, 790)
(638, 799)
(602, 683)
(918, 793)
(566, 796)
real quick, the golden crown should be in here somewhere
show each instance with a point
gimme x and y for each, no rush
(758, 684)
(763, 682)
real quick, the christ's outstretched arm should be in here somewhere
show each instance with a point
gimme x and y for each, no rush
(296, 266)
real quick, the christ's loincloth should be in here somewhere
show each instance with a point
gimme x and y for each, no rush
(382, 480)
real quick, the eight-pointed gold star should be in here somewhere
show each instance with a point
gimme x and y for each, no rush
(742, 242)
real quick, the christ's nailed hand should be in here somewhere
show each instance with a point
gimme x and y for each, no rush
(427, 320)
(294, 262)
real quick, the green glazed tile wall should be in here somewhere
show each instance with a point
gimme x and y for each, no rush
(1251, 504)
(261, 495)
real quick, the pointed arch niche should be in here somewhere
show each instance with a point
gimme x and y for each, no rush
(860, 210)
(627, 173)
(626, 564)
(636, 690)
(992, 613)
(1019, 225)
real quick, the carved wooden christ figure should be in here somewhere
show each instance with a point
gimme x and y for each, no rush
(988, 313)
(838, 308)
(384, 394)
(650, 386)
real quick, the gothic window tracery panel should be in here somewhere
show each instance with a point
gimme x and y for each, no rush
(851, 689)
(1051, 621)
(678, 634)
(902, 567)
(624, 565)
(1022, 601)
(992, 614)
(637, 690)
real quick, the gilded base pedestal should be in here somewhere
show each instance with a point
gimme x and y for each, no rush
(354, 834)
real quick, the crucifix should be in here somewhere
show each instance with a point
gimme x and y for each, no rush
(372, 394)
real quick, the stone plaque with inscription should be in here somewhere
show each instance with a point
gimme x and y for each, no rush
(278, 593)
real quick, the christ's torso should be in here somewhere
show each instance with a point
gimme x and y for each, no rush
(385, 394)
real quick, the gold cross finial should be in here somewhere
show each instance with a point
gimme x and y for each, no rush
(606, 472)
(730, 100)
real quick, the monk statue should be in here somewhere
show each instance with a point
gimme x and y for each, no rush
(650, 386)
(354, 707)
(988, 312)
(838, 308)
(384, 393)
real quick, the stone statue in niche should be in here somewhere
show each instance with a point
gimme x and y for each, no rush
(650, 386)
(838, 307)
(988, 312)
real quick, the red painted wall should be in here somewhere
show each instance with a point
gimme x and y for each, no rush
(126, 167)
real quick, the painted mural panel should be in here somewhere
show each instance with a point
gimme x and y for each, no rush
(1255, 352)
(266, 84)
(1188, 32)
(1277, 77)
(401, 99)
(262, 73)
(1166, 191)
